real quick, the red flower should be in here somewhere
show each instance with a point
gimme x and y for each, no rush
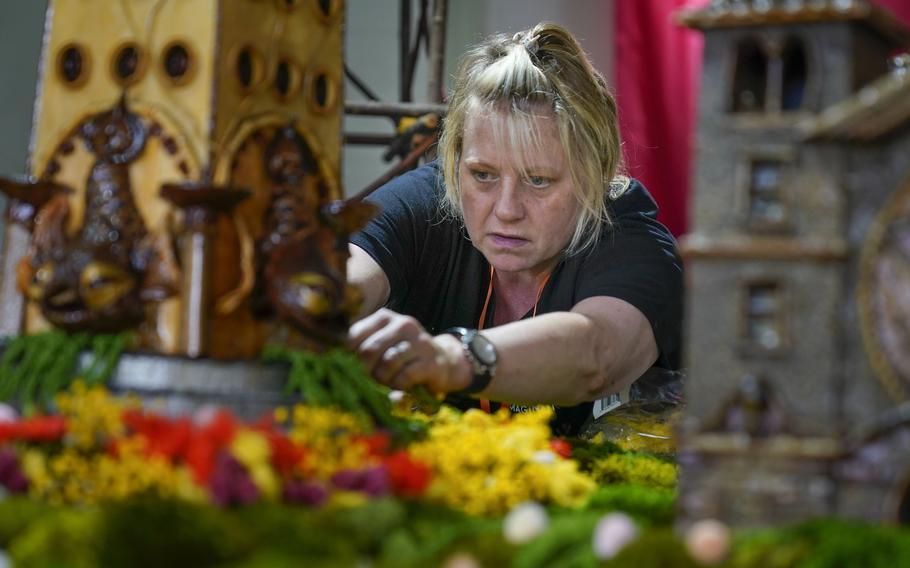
(561, 448)
(286, 455)
(377, 444)
(164, 437)
(205, 443)
(35, 429)
(408, 476)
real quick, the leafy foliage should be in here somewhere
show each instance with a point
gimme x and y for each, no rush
(34, 368)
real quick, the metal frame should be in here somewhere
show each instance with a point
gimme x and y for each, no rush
(430, 36)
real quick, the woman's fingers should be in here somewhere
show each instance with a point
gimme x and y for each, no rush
(363, 329)
(398, 352)
(388, 343)
(393, 362)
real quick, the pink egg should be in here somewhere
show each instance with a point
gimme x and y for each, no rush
(708, 541)
(612, 533)
(8, 413)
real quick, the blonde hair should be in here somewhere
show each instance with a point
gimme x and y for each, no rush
(541, 68)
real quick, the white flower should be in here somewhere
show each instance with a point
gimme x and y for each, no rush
(8, 413)
(525, 522)
(544, 457)
(612, 533)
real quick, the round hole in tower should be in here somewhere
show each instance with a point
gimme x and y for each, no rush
(72, 65)
(248, 67)
(128, 64)
(245, 68)
(287, 79)
(177, 62)
(321, 91)
(326, 10)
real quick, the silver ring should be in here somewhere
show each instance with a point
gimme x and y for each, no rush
(400, 349)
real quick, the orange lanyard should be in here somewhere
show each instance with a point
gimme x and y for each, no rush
(484, 403)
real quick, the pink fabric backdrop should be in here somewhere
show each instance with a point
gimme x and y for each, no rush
(657, 68)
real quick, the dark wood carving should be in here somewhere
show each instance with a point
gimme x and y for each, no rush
(292, 170)
(303, 251)
(307, 278)
(99, 279)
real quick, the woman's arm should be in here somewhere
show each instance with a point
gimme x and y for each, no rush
(599, 347)
(565, 358)
(366, 275)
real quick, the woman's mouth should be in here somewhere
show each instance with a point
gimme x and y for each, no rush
(507, 241)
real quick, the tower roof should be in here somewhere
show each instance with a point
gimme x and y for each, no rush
(877, 109)
(746, 13)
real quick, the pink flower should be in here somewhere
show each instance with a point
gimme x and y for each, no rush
(231, 483)
(11, 475)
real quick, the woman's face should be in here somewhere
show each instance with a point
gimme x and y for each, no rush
(521, 223)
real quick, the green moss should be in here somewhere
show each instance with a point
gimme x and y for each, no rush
(649, 505)
(635, 469)
(65, 538)
(658, 547)
(824, 543)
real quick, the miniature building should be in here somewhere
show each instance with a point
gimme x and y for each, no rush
(212, 82)
(798, 266)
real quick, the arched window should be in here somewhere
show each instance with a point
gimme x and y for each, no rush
(751, 77)
(903, 511)
(795, 69)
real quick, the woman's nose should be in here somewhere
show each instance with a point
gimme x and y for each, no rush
(508, 205)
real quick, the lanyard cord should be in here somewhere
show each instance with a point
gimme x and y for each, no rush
(484, 403)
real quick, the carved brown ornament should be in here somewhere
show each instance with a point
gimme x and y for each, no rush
(884, 295)
(303, 251)
(100, 278)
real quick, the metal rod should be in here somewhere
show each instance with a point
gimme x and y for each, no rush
(437, 52)
(404, 165)
(361, 86)
(420, 38)
(368, 108)
(404, 47)
(368, 139)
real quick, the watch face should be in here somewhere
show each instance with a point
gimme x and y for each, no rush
(484, 350)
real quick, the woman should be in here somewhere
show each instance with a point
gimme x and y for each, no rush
(525, 232)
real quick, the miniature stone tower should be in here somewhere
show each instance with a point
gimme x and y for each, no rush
(212, 82)
(777, 373)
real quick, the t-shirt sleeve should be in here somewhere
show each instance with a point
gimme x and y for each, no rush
(396, 236)
(637, 261)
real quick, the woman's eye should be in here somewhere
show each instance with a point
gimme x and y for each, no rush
(481, 175)
(538, 181)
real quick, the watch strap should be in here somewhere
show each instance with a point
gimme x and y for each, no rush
(483, 373)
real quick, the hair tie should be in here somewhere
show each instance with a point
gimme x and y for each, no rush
(529, 43)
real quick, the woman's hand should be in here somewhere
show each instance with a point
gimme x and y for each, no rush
(400, 353)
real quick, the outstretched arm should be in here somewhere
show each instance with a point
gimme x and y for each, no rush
(599, 347)
(365, 274)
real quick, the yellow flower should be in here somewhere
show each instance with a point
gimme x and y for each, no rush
(487, 464)
(252, 450)
(93, 415)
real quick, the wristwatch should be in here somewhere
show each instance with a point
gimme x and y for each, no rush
(481, 352)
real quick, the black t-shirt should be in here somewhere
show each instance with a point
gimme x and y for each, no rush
(438, 277)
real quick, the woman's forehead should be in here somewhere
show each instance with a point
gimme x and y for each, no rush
(524, 139)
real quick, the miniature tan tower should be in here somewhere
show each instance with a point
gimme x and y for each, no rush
(796, 320)
(212, 81)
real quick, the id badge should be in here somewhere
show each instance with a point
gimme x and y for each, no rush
(610, 403)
